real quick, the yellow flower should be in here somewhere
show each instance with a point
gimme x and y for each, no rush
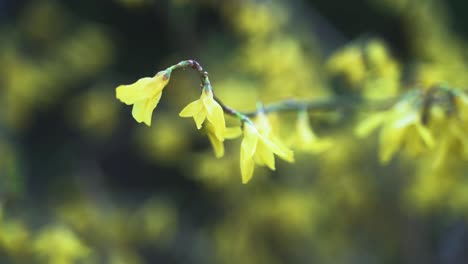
(218, 146)
(144, 95)
(265, 128)
(206, 108)
(58, 244)
(401, 126)
(348, 62)
(306, 139)
(257, 148)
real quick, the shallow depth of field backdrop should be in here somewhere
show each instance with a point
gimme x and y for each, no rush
(82, 182)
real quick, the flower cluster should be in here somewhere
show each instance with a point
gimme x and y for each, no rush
(144, 95)
(412, 123)
(259, 145)
(431, 120)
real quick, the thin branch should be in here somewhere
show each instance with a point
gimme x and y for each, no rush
(287, 105)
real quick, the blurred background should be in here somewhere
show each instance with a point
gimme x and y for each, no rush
(82, 182)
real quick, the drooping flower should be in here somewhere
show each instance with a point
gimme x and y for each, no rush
(144, 95)
(265, 128)
(207, 108)
(257, 148)
(401, 126)
(218, 145)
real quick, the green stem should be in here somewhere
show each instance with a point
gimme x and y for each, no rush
(205, 82)
(281, 106)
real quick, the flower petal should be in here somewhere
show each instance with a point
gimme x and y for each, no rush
(195, 110)
(218, 146)
(390, 141)
(132, 93)
(199, 119)
(369, 124)
(143, 110)
(249, 143)
(284, 152)
(191, 109)
(215, 115)
(247, 165)
(425, 134)
(232, 132)
(265, 157)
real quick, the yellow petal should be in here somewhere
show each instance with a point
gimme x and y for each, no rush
(267, 143)
(285, 153)
(142, 89)
(232, 132)
(143, 110)
(218, 146)
(199, 118)
(425, 135)
(369, 124)
(195, 110)
(191, 109)
(247, 167)
(265, 157)
(263, 125)
(305, 133)
(215, 115)
(390, 141)
(130, 94)
(249, 143)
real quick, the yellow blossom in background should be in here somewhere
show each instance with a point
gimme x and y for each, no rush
(207, 108)
(401, 126)
(449, 124)
(156, 220)
(383, 73)
(59, 245)
(93, 113)
(215, 173)
(14, 237)
(256, 19)
(257, 148)
(144, 95)
(165, 142)
(350, 63)
(96, 198)
(305, 138)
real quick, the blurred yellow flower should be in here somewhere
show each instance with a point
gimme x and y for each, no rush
(257, 148)
(305, 139)
(14, 236)
(207, 108)
(144, 94)
(348, 62)
(264, 126)
(401, 125)
(59, 245)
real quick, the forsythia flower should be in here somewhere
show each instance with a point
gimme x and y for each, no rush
(306, 139)
(218, 146)
(400, 124)
(350, 63)
(144, 95)
(59, 245)
(264, 127)
(206, 108)
(257, 148)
